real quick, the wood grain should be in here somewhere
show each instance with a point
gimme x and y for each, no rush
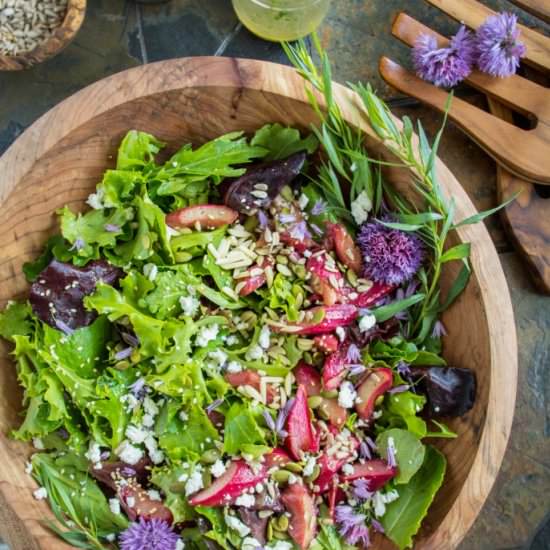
(540, 8)
(527, 219)
(60, 158)
(523, 152)
(473, 14)
(59, 39)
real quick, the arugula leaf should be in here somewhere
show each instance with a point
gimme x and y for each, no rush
(281, 141)
(404, 516)
(137, 150)
(409, 452)
(241, 428)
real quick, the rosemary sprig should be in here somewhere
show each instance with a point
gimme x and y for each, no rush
(349, 165)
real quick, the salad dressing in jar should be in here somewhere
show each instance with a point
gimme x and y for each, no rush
(280, 20)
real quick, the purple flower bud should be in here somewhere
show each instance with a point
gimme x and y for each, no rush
(399, 389)
(300, 231)
(112, 228)
(498, 48)
(130, 339)
(319, 207)
(79, 244)
(439, 330)
(390, 453)
(316, 229)
(262, 219)
(123, 353)
(214, 405)
(287, 218)
(64, 327)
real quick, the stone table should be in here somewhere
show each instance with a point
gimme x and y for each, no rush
(117, 35)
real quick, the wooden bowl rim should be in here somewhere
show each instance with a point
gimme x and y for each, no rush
(270, 78)
(57, 41)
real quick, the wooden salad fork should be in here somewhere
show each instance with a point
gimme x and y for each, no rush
(521, 151)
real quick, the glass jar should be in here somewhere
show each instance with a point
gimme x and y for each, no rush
(279, 20)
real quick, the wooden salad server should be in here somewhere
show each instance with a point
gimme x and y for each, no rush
(528, 218)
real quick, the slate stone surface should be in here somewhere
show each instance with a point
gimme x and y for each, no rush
(118, 34)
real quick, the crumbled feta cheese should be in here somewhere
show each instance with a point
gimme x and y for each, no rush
(94, 453)
(218, 468)
(281, 545)
(303, 201)
(37, 443)
(131, 401)
(219, 357)
(361, 207)
(111, 537)
(231, 339)
(347, 395)
(154, 494)
(250, 543)
(150, 271)
(309, 466)
(148, 421)
(376, 414)
(367, 322)
(205, 335)
(136, 434)
(194, 483)
(264, 338)
(189, 305)
(114, 505)
(234, 366)
(40, 494)
(183, 477)
(150, 407)
(341, 333)
(128, 453)
(237, 525)
(348, 469)
(381, 499)
(183, 416)
(254, 353)
(95, 200)
(155, 454)
(28, 468)
(179, 545)
(131, 502)
(245, 500)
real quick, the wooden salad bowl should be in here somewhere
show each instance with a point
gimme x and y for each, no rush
(59, 39)
(62, 156)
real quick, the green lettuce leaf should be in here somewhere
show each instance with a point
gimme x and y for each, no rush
(241, 428)
(281, 141)
(404, 516)
(137, 150)
(166, 479)
(400, 410)
(409, 452)
(15, 320)
(32, 269)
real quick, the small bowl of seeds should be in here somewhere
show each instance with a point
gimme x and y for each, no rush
(32, 31)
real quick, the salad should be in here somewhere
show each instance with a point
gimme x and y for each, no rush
(238, 345)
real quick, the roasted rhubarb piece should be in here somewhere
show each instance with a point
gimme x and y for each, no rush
(301, 433)
(450, 391)
(256, 278)
(238, 477)
(207, 216)
(327, 343)
(346, 250)
(375, 383)
(57, 294)
(326, 280)
(261, 183)
(375, 293)
(310, 378)
(277, 457)
(250, 378)
(377, 472)
(334, 369)
(331, 464)
(299, 502)
(322, 320)
(137, 503)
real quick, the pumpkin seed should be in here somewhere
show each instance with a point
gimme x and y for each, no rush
(300, 271)
(315, 401)
(210, 456)
(281, 476)
(122, 365)
(269, 532)
(308, 357)
(314, 475)
(351, 277)
(293, 467)
(281, 523)
(329, 394)
(304, 344)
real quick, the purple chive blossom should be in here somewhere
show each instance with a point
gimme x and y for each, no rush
(357, 369)
(112, 227)
(364, 451)
(498, 47)
(277, 425)
(316, 229)
(154, 534)
(138, 388)
(361, 490)
(287, 218)
(391, 256)
(352, 526)
(377, 525)
(447, 66)
(371, 443)
(105, 455)
(64, 327)
(319, 207)
(63, 434)
(262, 219)
(399, 389)
(390, 453)
(403, 368)
(300, 231)
(123, 353)
(79, 244)
(130, 339)
(439, 330)
(126, 471)
(214, 405)
(353, 354)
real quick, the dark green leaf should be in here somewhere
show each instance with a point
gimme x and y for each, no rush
(458, 286)
(476, 218)
(383, 313)
(409, 452)
(457, 252)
